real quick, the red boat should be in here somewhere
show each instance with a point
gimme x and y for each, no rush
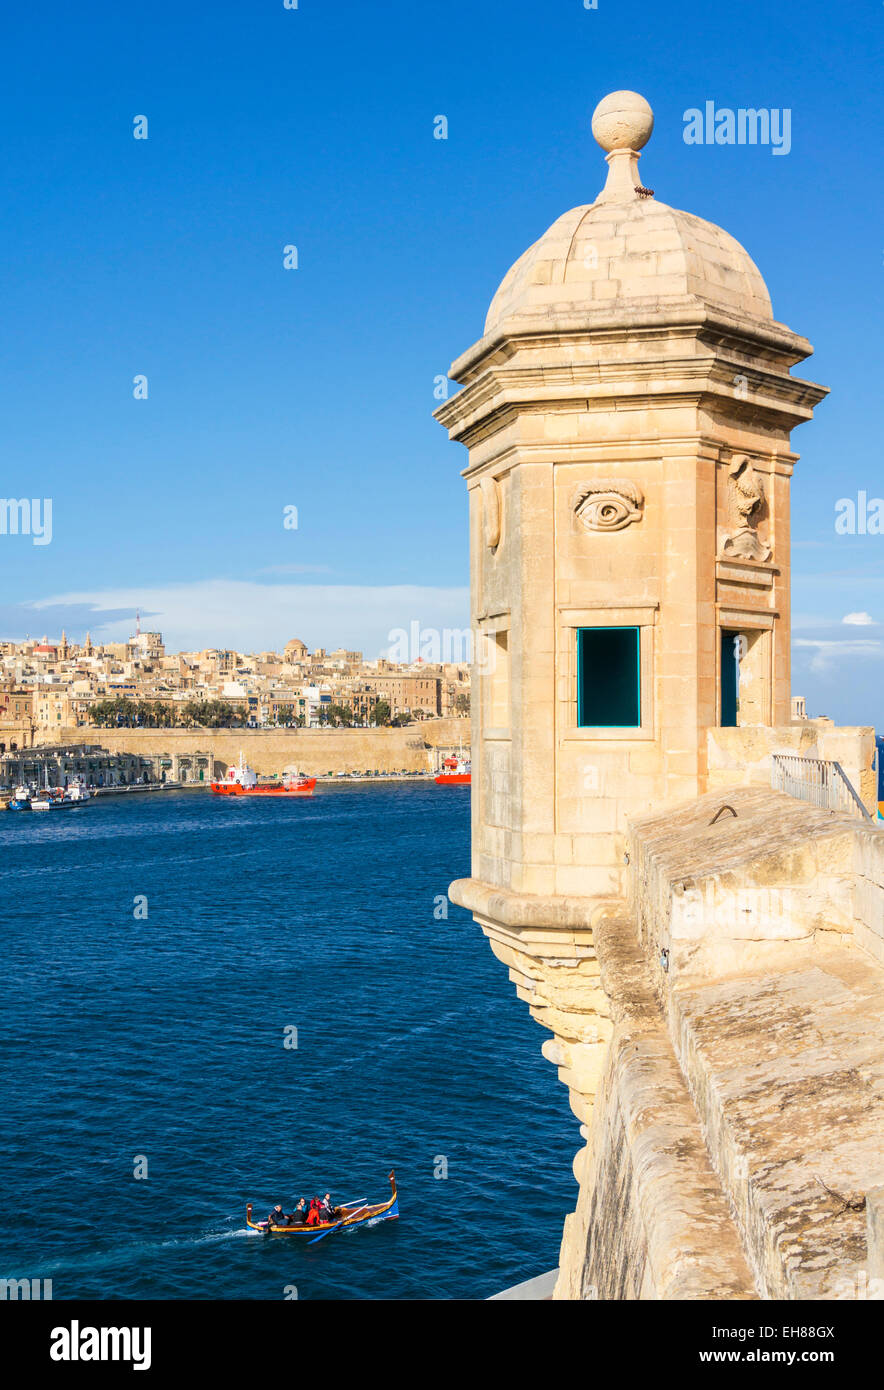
(242, 780)
(455, 771)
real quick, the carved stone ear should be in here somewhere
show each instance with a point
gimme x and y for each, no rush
(492, 508)
(609, 505)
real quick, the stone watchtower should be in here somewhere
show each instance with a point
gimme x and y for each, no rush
(712, 972)
(627, 414)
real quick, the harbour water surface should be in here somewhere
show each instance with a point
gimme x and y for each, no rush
(127, 1038)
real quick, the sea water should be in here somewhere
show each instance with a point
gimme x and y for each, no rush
(207, 1000)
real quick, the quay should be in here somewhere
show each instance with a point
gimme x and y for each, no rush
(56, 765)
(201, 755)
(123, 775)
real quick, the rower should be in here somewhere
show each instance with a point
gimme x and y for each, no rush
(327, 1211)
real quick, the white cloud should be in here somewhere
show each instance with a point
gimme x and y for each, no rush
(829, 656)
(858, 620)
(249, 616)
(296, 569)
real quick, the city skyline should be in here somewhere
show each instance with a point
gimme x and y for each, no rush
(245, 615)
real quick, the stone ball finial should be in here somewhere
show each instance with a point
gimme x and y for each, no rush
(622, 121)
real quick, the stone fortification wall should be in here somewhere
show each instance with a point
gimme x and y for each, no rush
(733, 1137)
(868, 890)
(722, 892)
(313, 751)
(741, 756)
(652, 1219)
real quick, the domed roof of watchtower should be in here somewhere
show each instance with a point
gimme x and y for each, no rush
(626, 255)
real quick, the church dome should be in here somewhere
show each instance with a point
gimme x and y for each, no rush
(626, 256)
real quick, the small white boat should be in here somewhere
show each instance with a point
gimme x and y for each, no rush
(42, 799)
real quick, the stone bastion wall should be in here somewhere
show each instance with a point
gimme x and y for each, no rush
(719, 1033)
(312, 751)
(724, 1055)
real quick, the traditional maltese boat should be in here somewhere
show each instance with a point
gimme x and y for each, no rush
(242, 780)
(455, 772)
(350, 1214)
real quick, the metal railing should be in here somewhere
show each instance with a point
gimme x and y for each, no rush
(822, 783)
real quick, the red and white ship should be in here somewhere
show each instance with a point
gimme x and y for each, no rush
(242, 780)
(455, 771)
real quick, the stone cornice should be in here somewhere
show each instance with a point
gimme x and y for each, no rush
(658, 320)
(523, 910)
(637, 449)
(490, 410)
(645, 377)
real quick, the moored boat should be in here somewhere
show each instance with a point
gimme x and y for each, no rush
(242, 780)
(49, 798)
(455, 771)
(56, 800)
(77, 794)
(350, 1214)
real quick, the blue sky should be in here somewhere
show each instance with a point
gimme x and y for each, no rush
(314, 388)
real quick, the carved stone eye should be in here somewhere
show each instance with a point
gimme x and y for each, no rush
(610, 510)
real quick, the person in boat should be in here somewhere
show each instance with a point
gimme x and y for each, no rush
(313, 1217)
(276, 1217)
(299, 1215)
(327, 1210)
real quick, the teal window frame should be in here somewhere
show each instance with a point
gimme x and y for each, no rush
(729, 702)
(581, 676)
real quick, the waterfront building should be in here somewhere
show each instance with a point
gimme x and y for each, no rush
(146, 647)
(62, 765)
(16, 717)
(51, 707)
(408, 694)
